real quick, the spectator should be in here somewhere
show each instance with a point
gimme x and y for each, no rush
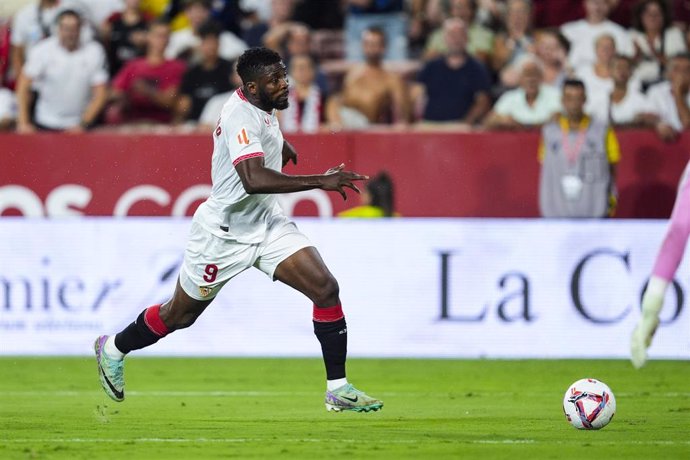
(8, 109)
(516, 40)
(376, 199)
(370, 93)
(597, 76)
(319, 14)
(533, 103)
(625, 104)
(583, 33)
(211, 114)
(551, 49)
(124, 35)
(480, 40)
(272, 33)
(578, 156)
(385, 14)
(297, 41)
(34, 22)
(204, 80)
(671, 99)
(183, 42)
(306, 110)
(655, 40)
(455, 86)
(70, 78)
(146, 88)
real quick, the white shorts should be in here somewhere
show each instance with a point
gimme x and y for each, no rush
(210, 261)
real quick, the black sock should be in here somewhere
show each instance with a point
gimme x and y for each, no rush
(333, 338)
(136, 336)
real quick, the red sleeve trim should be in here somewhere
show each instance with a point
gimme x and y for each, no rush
(247, 156)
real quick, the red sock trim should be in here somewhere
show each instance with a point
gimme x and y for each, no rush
(328, 314)
(153, 320)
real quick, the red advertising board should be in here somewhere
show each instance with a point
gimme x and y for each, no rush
(440, 174)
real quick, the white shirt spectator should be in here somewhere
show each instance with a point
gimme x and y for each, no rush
(229, 47)
(8, 105)
(663, 104)
(595, 86)
(513, 103)
(648, 69)
(31, 24)
(582, 35)
(211, 113)
(623, 112)
(64, 80)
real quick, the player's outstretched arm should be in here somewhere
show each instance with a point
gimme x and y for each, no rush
(256, 178)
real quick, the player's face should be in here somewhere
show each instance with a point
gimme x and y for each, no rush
(273, 87)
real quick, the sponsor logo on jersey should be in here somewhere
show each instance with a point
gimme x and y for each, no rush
(205, 291)
(242, 137)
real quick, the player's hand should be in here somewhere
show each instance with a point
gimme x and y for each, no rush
(336, 179)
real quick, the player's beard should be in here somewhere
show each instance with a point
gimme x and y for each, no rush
(266, 101)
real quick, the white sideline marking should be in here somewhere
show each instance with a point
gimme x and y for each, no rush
(318, 440)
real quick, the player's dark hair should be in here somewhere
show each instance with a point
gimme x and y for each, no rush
(381, 190)
(573, 83)
(253, 62)
(209, 29)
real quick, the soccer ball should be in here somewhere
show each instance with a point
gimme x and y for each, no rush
(589, 404)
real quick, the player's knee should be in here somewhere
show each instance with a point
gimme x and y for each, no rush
(327, 292)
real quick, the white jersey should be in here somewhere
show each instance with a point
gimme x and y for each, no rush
(244, 131)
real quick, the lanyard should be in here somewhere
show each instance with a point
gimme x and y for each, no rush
(573, 151)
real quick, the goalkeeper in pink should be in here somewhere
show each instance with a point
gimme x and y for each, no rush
(667, 261)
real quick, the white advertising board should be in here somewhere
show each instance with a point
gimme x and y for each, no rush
(497, 288)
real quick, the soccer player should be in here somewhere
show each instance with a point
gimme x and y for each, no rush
(242, 225)
(667, 261)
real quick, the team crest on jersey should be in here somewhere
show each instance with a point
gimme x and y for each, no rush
(205, 290)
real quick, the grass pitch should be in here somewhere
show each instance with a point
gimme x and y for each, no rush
(273, 408)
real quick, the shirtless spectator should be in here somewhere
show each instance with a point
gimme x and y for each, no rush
(70, 78)
(370, 93)
(146, 88)
(455, 86)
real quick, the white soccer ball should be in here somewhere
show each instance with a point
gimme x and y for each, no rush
(589, 404)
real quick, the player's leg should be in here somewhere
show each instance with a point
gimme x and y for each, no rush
(306, 272)
(667, 261)
(151, 325)
(209, 262)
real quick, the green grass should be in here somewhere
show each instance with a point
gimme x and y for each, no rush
(273, 408)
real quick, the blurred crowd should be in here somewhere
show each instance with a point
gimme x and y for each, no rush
(75, 65)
